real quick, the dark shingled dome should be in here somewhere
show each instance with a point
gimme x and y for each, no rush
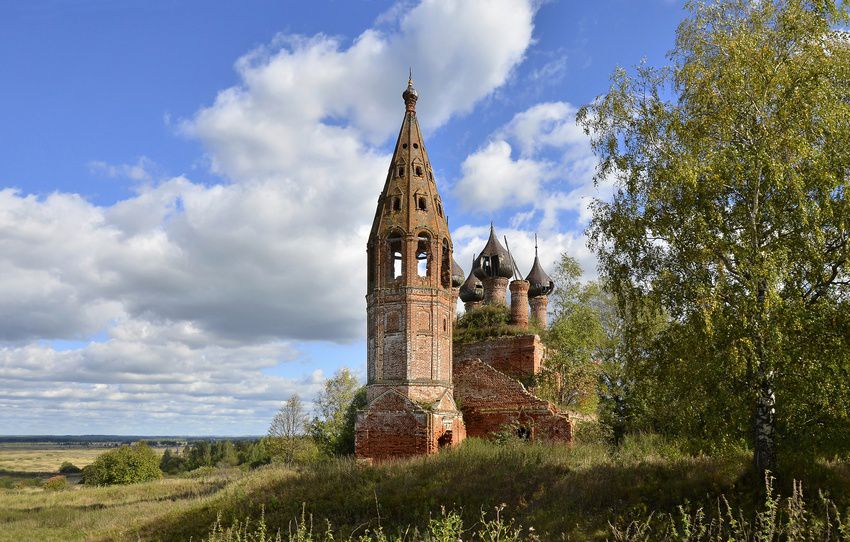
(494, 260)
(457, 274)
(540, 282)
(472, 289)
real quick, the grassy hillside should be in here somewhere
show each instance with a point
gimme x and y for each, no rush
(564, 493)
(556, 489)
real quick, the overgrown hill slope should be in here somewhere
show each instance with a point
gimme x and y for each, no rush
(557, 489)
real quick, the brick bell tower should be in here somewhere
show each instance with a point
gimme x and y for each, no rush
(410, 310)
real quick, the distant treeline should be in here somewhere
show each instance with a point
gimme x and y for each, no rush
(217, 453)
(112, 440)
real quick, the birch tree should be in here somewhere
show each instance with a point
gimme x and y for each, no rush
(731, 208)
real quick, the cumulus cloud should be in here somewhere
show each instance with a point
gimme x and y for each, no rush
(200, 288)
(553, 170)
(139, 171)
(491, 178)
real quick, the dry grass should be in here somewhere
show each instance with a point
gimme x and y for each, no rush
(42, 458)
(103, 513)
(566, 493)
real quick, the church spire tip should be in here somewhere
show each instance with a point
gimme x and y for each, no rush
(410, 95)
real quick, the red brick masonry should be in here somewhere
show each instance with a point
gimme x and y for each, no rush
(520, 356)
(393, 426)
(492, 401)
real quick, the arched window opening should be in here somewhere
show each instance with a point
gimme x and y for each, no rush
(401, 171)
(421, 204)
(423, 260)
(418, 171)
(445, 266)
(396, 203)
(487, 266)
(394, 260)
(439, 209)
(445, 325)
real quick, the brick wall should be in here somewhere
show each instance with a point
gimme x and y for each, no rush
(392, 426)
(491, 401)
(520, 356)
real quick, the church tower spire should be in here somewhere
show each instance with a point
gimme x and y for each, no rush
(410, 309)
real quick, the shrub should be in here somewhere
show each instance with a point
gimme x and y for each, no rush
(485, 322)
(69, 468)
(55, 483)
(124, 465)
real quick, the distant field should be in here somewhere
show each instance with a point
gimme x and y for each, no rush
(37, 457)
(44, 457)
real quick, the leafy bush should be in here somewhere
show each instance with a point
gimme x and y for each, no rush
(69, 468)
(55, 483)
(485, 322)
(124, 465)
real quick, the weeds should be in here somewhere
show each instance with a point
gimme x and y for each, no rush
(447, 527)
(778, 520)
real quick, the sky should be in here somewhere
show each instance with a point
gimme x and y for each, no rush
(186, 187)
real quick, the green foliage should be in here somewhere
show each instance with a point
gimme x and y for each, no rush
(575, 340)
(485, 322)
(778, 520)
(328, 429)
(69, 468)
(731, 221)
(219, 453)
(55, 483)
(123, 465)
(447, 527)
(345, 444)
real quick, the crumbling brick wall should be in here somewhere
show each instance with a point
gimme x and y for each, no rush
(520, 356)
(392, 426)
(492, 401)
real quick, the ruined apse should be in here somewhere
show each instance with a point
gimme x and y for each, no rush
(412, 288)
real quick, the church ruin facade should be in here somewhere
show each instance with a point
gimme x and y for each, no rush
(413, 286)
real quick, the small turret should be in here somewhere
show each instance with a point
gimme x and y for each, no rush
(494, 266)
(457, 281)
(540, 286)
(457, 274)
(471, 292)
(410, 95)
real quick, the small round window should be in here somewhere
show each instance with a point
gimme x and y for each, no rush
(416, 145)
(404, 145)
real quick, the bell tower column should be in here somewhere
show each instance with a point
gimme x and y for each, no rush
(410, 306)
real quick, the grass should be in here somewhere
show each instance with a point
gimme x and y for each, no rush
(565, 493)
(557, 489)
(44, 458)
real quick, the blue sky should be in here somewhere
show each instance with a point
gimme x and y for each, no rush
(186, 187)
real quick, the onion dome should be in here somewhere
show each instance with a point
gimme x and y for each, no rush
(540, 282)
(457, 274)
(410, 95)
(472, 290)
(494, 260)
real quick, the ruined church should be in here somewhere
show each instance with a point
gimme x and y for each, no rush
(423, 392)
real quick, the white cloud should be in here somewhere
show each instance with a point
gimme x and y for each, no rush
(140, 171)
(201, 288)
(491, 178)
(554, 171)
